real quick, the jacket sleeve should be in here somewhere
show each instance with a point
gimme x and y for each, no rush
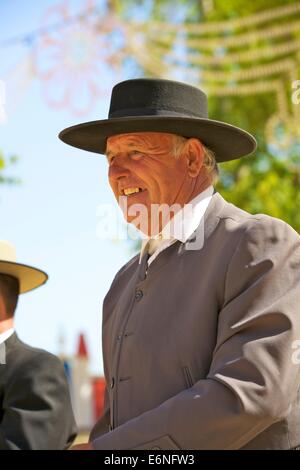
(37, 411)
(253, 378)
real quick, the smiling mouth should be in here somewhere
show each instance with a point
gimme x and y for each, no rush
(131, 191)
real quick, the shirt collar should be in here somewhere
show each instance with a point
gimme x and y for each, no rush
(185, 221)
(7, 334)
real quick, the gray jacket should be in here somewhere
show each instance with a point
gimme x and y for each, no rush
(198, 354)
(35, 407)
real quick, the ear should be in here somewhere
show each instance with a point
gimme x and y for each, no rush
(194, 153)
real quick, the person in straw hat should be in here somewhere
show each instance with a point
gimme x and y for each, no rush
(200, 328)
(35, 407)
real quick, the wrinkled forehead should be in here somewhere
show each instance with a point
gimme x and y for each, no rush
(140, 140)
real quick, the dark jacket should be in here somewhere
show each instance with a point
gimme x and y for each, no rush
(35, 407)
(200, 352)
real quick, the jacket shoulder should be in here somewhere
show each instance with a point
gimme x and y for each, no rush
(126, 269)
(235, 219)
(23, 355)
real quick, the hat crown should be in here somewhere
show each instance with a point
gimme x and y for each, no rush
(7, 252)
(159, 97)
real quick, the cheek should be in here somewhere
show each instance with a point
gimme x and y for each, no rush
(114, 187)
(165, 182)
(172, 182)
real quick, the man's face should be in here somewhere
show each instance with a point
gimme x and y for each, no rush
(144, 162)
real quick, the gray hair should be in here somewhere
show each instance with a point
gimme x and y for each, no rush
(209, 162)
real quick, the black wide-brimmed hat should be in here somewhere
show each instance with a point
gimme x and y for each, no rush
(157, 105)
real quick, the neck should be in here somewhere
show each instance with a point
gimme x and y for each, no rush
(201, 184)
(6, 325)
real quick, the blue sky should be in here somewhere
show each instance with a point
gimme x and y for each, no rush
(51, 216)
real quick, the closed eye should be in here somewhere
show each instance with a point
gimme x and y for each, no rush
(136, 154)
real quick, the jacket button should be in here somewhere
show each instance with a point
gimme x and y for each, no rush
(119, 337)
(112, 383)
(138, 294)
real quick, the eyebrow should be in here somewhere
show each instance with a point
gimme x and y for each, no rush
(130, 145)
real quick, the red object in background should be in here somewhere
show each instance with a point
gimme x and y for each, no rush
(98, 396)
(82, 349)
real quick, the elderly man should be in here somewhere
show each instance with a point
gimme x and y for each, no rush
(199, 328)
(35, 406)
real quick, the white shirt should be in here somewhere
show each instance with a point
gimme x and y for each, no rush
(180, 227)
(7, 334)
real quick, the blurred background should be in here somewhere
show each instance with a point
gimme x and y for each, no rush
(59, 61)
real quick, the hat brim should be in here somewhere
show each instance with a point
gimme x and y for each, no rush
(227, 141)
(29, 278)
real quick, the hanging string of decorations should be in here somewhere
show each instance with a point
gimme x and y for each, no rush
(227, 60)
(78, 58)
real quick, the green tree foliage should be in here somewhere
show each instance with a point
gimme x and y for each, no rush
(269, 181)
(264, 184)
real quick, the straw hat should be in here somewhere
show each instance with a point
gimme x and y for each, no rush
(29, 278)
